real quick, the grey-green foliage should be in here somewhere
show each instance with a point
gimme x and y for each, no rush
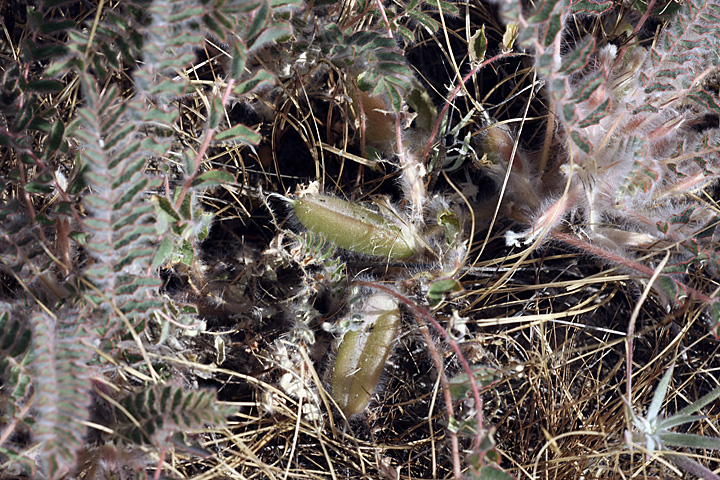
(167, 408)
(15, 344)
(62, 384)
(79, 247)
(15, 341)
(631, 123)
(120, 226)
(81, 269)
(370, 51)
(653, 431)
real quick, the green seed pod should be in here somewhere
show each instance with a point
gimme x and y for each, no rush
(362, 354)
(354, 227)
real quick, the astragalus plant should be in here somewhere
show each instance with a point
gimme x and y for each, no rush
(653, 431)
(631, 152)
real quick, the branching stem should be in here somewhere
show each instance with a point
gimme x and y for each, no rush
(454, 93)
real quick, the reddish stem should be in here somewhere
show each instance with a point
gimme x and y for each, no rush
(385, 18)
(424, 314)
(635, 31)
(203, 149)
(626, 262)
(454, 93)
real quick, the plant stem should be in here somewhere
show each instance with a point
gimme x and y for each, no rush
(209, 134)
(422, 313)
(454, 93)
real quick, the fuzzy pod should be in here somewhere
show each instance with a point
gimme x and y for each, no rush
(354, 227)
(362, 354)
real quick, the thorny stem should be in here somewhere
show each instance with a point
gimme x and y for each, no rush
(454, 93)
(203, 149)
(423, 314)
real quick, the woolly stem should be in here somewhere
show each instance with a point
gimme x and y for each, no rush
(626, 262)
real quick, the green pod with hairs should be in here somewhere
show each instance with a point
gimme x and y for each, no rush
(363, 352)
(354, 227)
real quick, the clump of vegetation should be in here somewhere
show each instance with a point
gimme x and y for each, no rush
(378, 239)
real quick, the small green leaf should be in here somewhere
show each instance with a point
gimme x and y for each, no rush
(700, 403)
(423, 105)
(188, 158)
(510, 35)
(395, 97)
(163, 252)
(602, 111)
(216, 112)
(259, 21)
(581, 142)
(213, 25)
(165, 207)
(41, 124)
(184, 253)
(578, 58)
(478, 46)
(454, 425)
(239, 133)
(64, 208)
(261, 77)
(440, 288)
(483, 376)
(212, 177)
(239, 55)
(80, 238)
(450, 221)
(274, 34)
(406, 34)
(52, 27)
(490, 472)
(38, 187)
(659, 395)
(45, 86)
(676, 420)
(664, 10)
(295, 3)
(689, 440)
(425, 20)
(591, 6)
(23, 118)
(55, 138)
(445, 7)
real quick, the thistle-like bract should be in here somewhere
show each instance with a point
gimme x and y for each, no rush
(362, 354)
(354, 227)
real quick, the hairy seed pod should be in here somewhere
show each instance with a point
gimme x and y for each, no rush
(363, 352)
(354, 227)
